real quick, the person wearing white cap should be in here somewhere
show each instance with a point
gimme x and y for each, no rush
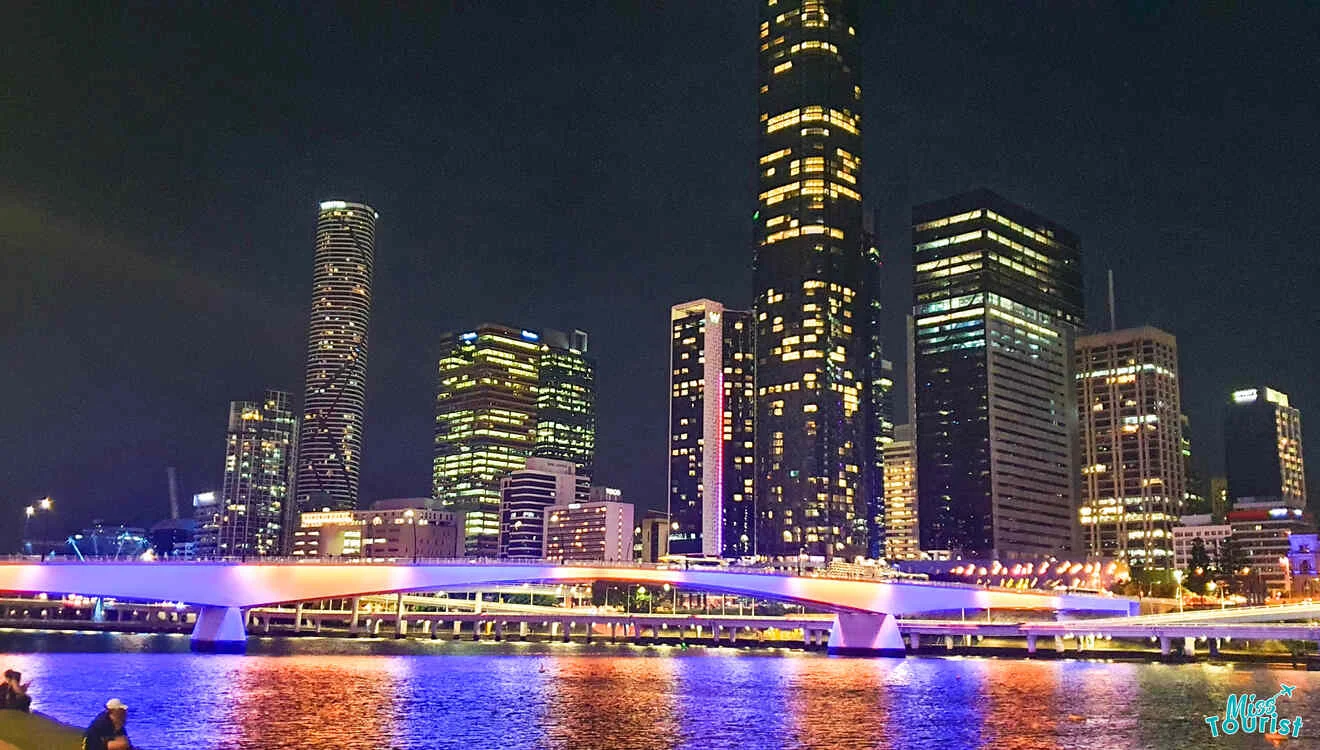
(107, 730)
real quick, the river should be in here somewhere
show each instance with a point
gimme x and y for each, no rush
(337, 693)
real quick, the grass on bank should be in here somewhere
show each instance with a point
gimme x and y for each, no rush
(26, 731)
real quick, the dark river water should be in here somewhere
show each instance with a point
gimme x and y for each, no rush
(327, 693)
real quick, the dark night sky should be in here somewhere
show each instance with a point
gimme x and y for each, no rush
(587, 165)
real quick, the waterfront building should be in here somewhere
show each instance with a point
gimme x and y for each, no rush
(1303, 565)
(1133, 473)
(1263, 437)
(815, 288)
(711, 430)
(487, 417)
(259, 464)
(591, 531)
(391, 529)
(651, 537)
(566, 400)
(335, 392)
(525, 494)
(206, 512)
(1195, 499)
(901, 539)
(1261, 539)
(1193, 527)
(998, 304)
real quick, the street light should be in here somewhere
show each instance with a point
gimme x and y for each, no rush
(44, 505)
(410, 514)
(1177, 579)
(1210, 586)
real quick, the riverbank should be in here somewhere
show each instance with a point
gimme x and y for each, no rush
(20, 730)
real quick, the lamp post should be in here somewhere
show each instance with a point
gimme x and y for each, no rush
(1177, 580)
(412, 522)
(44, 505)
(1287, 578)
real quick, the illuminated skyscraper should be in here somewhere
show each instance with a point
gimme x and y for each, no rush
(901, 542)
(711, 430)
(487, 417)
(814, 280)
(258, 470)
(998, 303)
(1133, 472)
(1263, 435)
(335, 394)
(566, 400)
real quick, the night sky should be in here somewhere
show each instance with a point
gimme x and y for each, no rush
(587, 165)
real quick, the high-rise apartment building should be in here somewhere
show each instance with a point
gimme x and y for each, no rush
(1263, 436)
(335, 393)
(998, 303)
(814, 282)
(259, 459)
(525, 495)
(902, 539)
(711, 430)
(1133, 472)
(487, 417)
(566, 400)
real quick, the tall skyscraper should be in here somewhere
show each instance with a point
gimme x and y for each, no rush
(711, 430)
(335, 394)
(813, 277)
(487, 411)
(1263, 435)
(998, 303)
(259, 458)
(525, 495)
(566, 400)
(902, 540)
(1133, 472)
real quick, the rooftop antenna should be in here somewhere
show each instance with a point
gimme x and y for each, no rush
(1113, 324)
(174, 493)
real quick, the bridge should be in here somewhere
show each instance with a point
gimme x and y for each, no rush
(865, 610)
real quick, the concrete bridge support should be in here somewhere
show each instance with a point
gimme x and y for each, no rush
(865, 635)
(297, 617)
(1031, 644)
(1189, 646)
(914, 640)
(219, 630)
(1166, 645)
(353, 623)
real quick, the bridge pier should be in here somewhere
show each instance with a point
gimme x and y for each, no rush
(1214, 646)
(865, 635)
(353, 623)
(914, 640)
(1166, 645)
(1189, 646)
(297, 617)
(219, 630)
(1031, 644)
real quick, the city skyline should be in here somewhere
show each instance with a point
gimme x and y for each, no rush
(250, 255)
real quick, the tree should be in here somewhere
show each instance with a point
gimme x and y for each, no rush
(1199, 567)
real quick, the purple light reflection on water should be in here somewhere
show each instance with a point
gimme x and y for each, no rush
(295, 693)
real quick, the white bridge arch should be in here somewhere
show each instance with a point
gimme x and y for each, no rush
(222, 590)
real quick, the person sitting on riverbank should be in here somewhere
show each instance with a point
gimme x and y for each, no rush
(14, 692)
(107, 730)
